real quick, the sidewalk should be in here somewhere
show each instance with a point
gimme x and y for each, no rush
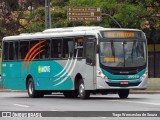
(153, 87)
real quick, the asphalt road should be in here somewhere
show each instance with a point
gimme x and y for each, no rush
(19, 101)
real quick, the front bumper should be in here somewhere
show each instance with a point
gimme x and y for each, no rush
(115, 84)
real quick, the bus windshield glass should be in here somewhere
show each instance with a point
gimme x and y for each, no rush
(123, 54)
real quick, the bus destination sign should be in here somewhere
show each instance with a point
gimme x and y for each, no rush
(84, 14)
(121, 34)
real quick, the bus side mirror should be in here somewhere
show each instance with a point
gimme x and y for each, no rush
(70, 46)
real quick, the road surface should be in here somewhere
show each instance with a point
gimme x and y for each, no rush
(19, 101)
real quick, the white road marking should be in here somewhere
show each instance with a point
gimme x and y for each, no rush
(103, 117)
(149, 103)
(54, 110)
(20, 105)
(144, 102)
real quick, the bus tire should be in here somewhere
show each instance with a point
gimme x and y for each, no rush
(123, 93)
(31, 90)
(84, 94)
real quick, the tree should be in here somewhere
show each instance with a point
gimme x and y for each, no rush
(16, 16)
(19, 16)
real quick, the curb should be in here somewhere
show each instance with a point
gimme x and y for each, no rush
(145, 92)
(8, 90)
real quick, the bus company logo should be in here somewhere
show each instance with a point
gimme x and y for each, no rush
(43, 69)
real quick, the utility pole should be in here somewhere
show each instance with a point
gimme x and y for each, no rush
(47, 14)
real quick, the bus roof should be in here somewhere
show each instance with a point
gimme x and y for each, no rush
(64, 32)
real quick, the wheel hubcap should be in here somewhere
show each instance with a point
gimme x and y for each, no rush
(81, 89)
(30, 88)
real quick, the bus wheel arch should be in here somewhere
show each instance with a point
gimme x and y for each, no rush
(80, 87)
(78, 78)
(27, 79)
(32, 93)
(73, 93)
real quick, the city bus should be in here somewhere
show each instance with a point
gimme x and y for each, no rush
(76, 61)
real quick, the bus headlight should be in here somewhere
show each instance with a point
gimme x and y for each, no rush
(144, 76)
(100, 74)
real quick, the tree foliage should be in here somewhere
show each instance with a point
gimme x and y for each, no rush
(19, 16)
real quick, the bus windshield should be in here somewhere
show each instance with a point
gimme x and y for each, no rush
(123, 54)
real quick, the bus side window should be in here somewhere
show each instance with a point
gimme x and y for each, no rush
(11, 51)
(35, 50)
(5, 51)
(45, 54)
(15, 50)
(24, 47)
(65, 53)
(56, 48)
(79, 41)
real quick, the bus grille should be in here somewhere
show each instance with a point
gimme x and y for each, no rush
(125, 85)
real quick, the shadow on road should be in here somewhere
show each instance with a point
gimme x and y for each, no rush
(95, 97)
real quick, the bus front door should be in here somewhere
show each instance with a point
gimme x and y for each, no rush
(90, 65)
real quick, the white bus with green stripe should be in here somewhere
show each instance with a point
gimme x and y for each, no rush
(76, 61)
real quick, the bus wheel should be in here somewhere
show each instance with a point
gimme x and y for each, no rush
(123, 93)
(31, 90)
(84, 94)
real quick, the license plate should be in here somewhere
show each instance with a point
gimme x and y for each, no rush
(124, 82)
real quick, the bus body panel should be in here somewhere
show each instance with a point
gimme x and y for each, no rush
(44, 74)
(11, 76)
(102, 85)
(87, 73)
(133, 81)
(47, 75)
